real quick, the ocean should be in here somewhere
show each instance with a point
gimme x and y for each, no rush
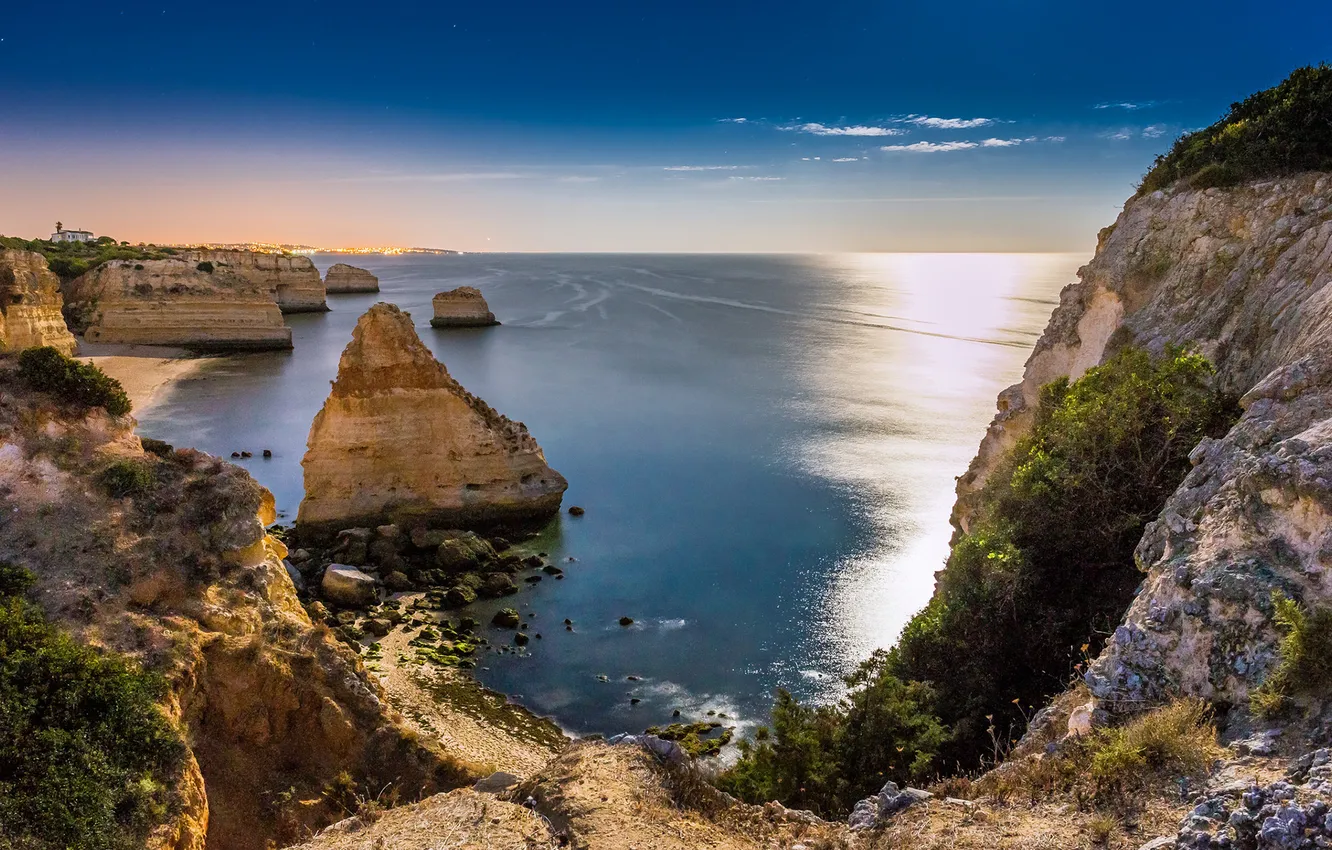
(765, 446)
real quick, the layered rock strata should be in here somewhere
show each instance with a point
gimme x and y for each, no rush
(30, 304)
(293, 282)
(173, 302)
(463, 307)
(184, 579)
(343, 279)
(400, 441)
(1242, 275)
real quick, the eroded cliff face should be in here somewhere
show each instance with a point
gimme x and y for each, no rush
(342, 278)
(172, 302)
(464, 307)
(1242, 275)
(30, 304)
(184, 578)
(293, 282)
(399, 440)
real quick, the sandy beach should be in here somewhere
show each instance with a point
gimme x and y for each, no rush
(145, 371)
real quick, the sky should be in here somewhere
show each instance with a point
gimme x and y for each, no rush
(728, 125)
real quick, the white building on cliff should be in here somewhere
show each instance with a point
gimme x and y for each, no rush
(63, 235)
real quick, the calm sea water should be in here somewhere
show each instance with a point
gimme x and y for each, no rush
(766, 447)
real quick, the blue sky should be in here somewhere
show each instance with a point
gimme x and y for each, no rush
(842, 125)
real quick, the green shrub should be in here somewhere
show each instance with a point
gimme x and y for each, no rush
(87, 758)
(73, 383)
(125, 478)
(1282, 130)
(205, 266)
(1042, 577)
(1305, 666)
(71, 259)
(1047, 571)
(825, 758)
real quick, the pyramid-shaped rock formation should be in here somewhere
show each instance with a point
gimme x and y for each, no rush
(399, 440)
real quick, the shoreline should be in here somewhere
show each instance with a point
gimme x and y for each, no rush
(147, 372)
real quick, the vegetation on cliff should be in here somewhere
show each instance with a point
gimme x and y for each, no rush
(71, 259)
(74, 384)
(87, 758)
(1033, 589)
(1282, 130)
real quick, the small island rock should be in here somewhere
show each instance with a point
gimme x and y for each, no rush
(463, 307)
(342, 279)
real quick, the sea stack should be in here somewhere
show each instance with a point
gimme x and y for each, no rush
(175, 302)
(294, 282)
(400, 441)
(463, 307)
(30, 304)
(341, 279)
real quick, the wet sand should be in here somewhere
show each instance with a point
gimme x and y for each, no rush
(145, 371)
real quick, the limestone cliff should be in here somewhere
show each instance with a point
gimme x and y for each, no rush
(30, 304)
(342, 278)
(463, 307)
(1245, 276)
(399, 440)
(182, 576)
(173, 302)
(293, 282)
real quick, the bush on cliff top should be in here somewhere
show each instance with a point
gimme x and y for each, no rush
(71, 259)
(1036, 586)
(73, 383)
(87, 758)
(1304, 669)
(1283, 130)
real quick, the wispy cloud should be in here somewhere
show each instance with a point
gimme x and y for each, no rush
(946, 123)
(847, 159)
(1130, 106)
(1119, 135)
(732, 120)
(705, 167)
(852, 130)
(1154, 131)
(757, 179)
(444, 177)
(577, 178)
(1003, 143)
(931, 147)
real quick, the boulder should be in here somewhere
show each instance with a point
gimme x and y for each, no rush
(464, 307)
(876, 811)
(347, 587)
(464, 551)
(497, 585)
(496, 782)
(506, 618)
(400, 441)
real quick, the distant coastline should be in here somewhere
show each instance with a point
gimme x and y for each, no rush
(274, 247)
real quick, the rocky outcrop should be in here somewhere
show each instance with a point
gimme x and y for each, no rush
(1244, 276)
(399, 440)
(174, 302)
(293, 282)
(342, 278)
(183, 578)
(30, 304)
(463, 307)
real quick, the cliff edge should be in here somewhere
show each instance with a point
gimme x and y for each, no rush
(31, 304)
(1241, 274)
